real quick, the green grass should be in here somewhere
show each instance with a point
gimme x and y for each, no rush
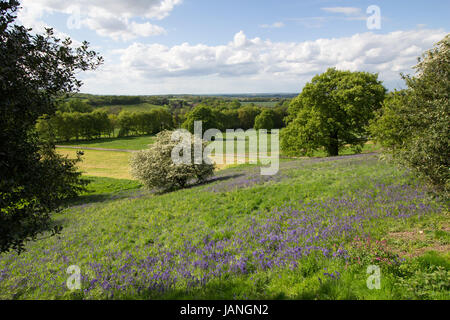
(104, 185)
(105, 232)
(103, 189)
(369, 147)
(128, 143)
(132, 107)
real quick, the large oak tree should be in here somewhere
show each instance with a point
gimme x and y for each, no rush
(333, 110)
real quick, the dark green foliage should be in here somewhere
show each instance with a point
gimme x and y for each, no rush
(35, 70)
(413, 124)
(75, 125)
(206, 114)
(265, 120)
(247, 116)
(280, 112)
(93, 125)
(229, 119)
(113, 100)
(75, 105)
(151, 122)
(332, 110)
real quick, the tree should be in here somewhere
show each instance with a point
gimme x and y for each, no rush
(280, 113)
(265, 120)
(125, 122)
(75, 105)
(35, 72)
(333, 110)
(229, 119)
(247, 116)
(413, 125)
(155, 167)
(202, 113)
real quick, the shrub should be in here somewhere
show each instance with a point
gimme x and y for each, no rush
(155, 168)
(413, 124)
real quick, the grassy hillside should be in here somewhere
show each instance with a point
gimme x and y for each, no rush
(308, 232)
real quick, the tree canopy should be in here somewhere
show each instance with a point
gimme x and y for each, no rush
(202, 113)
(35, 71)
(333, 110)
(265, 120)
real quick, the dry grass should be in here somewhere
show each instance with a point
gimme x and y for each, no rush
(96, 163)
(414, 243)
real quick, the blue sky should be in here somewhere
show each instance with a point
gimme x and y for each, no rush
(247, 46)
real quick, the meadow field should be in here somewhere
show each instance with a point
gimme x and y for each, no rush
(308, 232)
(140, 107)
(115, 164)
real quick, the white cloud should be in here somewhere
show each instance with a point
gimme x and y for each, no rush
(113, 18)
(119, 28)
(273, 25)
(245, 65)
(344, 10)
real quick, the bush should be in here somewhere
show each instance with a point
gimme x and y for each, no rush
(413, 124)
(155, 168)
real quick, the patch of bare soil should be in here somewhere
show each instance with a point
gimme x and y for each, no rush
(417, 242)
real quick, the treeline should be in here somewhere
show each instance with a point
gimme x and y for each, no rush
(76, 119)
(139, 123)
(246, 117)
(66, 126)
(97, 101)
(113, 100)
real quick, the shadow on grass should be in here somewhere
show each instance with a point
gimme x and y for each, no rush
(88, 199)
(201, 183)
(233, 290)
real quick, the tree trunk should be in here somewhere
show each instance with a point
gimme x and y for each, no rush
(333, 146)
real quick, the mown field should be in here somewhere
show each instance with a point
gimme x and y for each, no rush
(131, 107)
(309, 232)
(127, 143)
(111, 164)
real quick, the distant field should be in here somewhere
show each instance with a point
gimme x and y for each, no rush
(263, 103)
(130, 143)
(109, 164)
(132, 107)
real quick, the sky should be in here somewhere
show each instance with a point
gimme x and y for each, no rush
(155, 47)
